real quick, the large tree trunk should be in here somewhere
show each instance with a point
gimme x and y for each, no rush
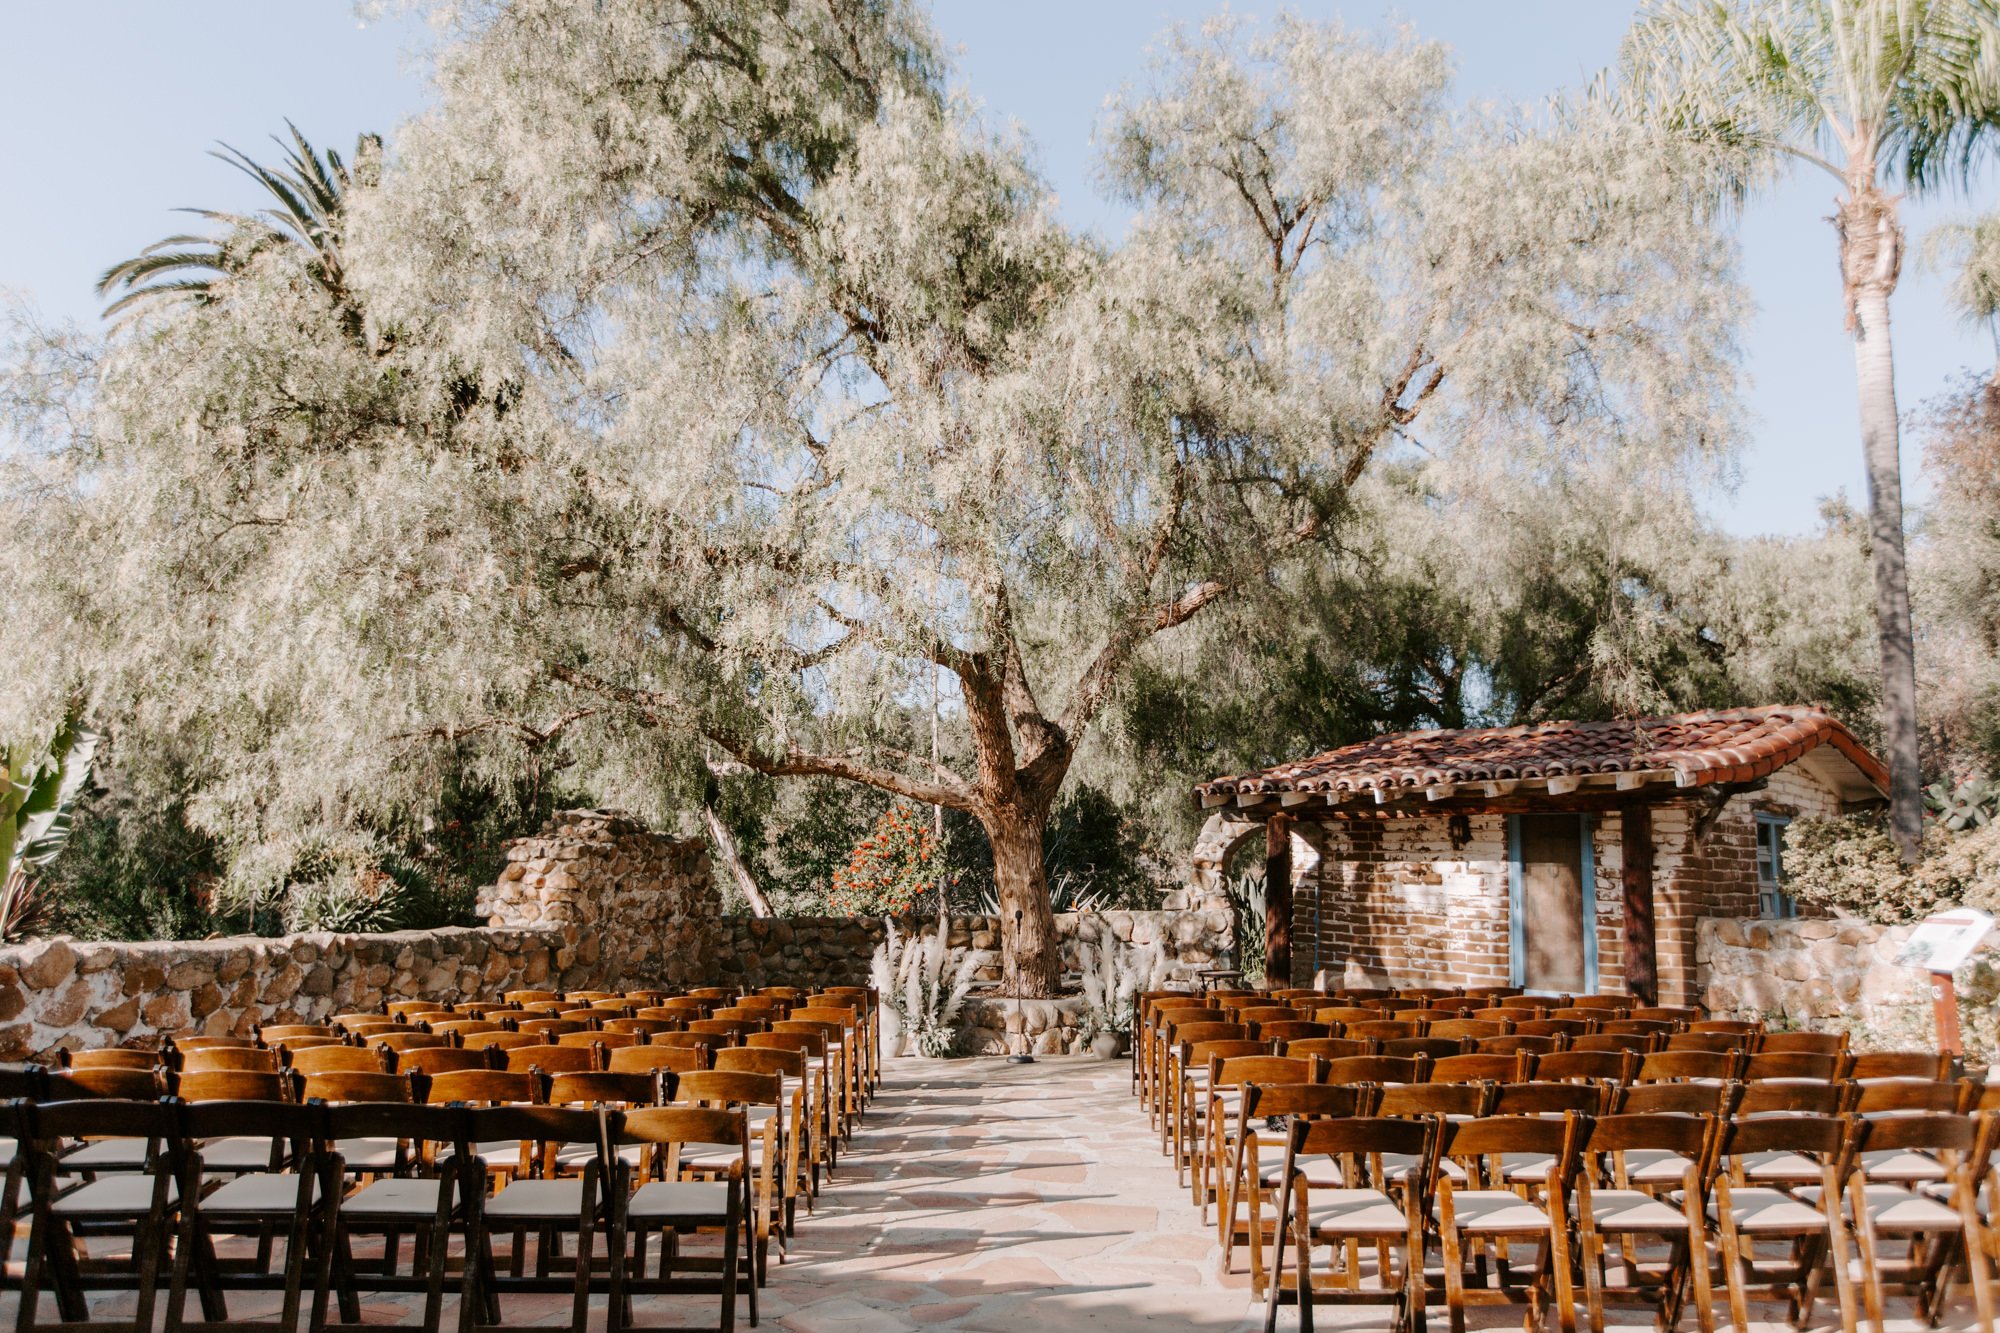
(1031, 957)
(732, 860)
(1871, 257)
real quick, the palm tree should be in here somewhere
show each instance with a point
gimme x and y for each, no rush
(311, 193)
(1872, 92)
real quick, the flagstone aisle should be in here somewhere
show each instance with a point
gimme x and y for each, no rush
(983, 1195)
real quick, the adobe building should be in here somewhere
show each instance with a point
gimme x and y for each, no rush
(1567, 857)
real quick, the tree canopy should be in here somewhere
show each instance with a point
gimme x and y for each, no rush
(734, 384)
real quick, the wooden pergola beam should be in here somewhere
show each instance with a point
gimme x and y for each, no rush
(1642, 972)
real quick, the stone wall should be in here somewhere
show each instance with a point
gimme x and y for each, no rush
(68, 994)
(633, 907)
(1840, 975)
(836, 951)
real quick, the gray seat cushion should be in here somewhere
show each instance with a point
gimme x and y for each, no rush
(536, 1200)
(393, 1200)
(271, 1193)
(691, 1201)
(112, 1196)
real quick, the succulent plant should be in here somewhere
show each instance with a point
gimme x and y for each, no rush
(1971, 804)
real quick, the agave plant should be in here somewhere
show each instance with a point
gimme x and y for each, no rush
(923, 981)
(39, 791)
(1971, 804)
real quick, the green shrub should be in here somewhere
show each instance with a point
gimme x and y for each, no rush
(1850, 863)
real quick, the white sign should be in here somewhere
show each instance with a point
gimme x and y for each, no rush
(1941, 943)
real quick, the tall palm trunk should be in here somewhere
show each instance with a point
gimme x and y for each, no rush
(1871, 243)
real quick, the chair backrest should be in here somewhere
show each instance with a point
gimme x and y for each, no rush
(281, 1032)
(1434, 1048)
(498, 1041)
(640, 1027)
(523, 997)
(1785, 1098)
(1481, 1068)
(1934, 1066)
(252, 1059)
(1594, 1066)
(1547, 1099)
(1809, 1043)
(408, 1041)
(725, 1087)
(194, 1043)
(1791, 1064)
(1271, 1100)
(487, 1087)
(1636, 1043)
(435, 1060)
(289, 1124)
(1384, 1029)
(234, 1085)
(1515, 1043)
(1638, 1027)
(1477, 1143)
(667, 1129)
(1347, 1138)
(1670, 1098)
(1469, 1028)
(1270, 1013)
(646, 1059)
(1345, 1013)
(1734, 1026)
(608, 1040)
(733, 1028)
(1617, 1002)
(1328, 1048)
(1687, 1136)
(116, 1057)
(103, 1118)
(1408, 1099)
(608, 1089)
(1947, 1134)
(708, 1042)
(1198, 1054)
(1707, 1041)
(1235, 1071)
(1820, 1136)
(1292, 1030)
(1668, 1013)
(808, 1043)
(762, 1060)
(1552, 1027)
(1910, 1095)
(115, 1084)
(557, 1059)
(1186, 1034)
(543, 1127)
(1378, 1069)
(1676, 1066)
(548, 1029)
(349, 1085)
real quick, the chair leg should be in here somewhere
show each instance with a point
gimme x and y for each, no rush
(1864, 1238)
(1704, 1294)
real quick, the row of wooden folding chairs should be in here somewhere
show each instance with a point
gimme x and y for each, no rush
(625, 1175)
(1572, 1188)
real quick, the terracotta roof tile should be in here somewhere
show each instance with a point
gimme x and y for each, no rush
(1733, 745)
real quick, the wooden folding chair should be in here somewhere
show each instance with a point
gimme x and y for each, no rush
(1929, 1066)
(1804, 1043)
(340, 1057)
(654, 1198)
(761, 1100)
(1806, 1220)
(544, 1203)
(1685, 1066)
(1326, 1048)
(116, 1057)
(1190, 1062)
(1916, 1179)
(378, 1155)
(795, 1125)
(551, 1059)
(1257, 1158)
(226, 1059)
(1486, 1212)
(1478, 1068)
(1809, 1065)
(1351, 1214)
(1222, 1097)
(426, 1199)
(115, 1152)
(1621, 1211)
(235, 1202)
(139, 1206)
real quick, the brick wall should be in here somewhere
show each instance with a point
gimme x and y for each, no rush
(1394, 901)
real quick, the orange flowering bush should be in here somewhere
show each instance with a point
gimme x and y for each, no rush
(891, 869)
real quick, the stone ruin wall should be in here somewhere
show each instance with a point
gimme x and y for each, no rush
(1833, 974)
(594, 900)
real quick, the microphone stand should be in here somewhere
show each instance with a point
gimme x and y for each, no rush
(1023, 1058)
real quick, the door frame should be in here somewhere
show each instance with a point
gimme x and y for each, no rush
(1517, 926)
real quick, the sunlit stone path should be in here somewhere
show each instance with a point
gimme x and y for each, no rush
(983, 1195)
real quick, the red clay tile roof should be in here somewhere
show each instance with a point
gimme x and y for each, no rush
(1736, 745)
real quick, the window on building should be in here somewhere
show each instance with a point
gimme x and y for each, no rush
(1772, 900)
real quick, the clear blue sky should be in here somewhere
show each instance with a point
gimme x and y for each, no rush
(111, 105)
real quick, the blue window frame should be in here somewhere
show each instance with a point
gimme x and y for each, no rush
(1517, 922)
(1772, 900)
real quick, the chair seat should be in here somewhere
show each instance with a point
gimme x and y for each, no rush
(1322, 1173)
(372, 1156)
(1780, 1166)
(106, 1155)
(1759, 1209)
(1894, 1208)
(537, 1200)
(1656, 1166)
(1902, 1168)
(236, 1154)
(1396, 1168)
(112, 1196)
(393, 1200)
(1634, 1210)
(1355, 1212)
(1519, 1168)
(577, 1154)
(685, 1201)
(267, 1192)
(1498, 1212)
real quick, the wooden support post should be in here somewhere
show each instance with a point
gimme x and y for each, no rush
(1277, 902)
(1642, 973)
